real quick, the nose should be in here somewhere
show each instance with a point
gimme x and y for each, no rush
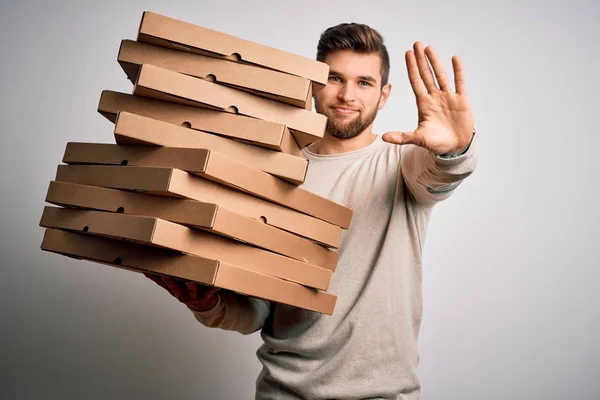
(347, 93)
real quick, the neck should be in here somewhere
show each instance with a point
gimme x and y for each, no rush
(329, 145)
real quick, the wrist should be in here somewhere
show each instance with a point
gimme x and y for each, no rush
(204, 306)
(459, 152)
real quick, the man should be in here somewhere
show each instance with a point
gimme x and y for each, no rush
(368, 347)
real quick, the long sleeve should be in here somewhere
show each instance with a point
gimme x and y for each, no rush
(432, 178)
(235, 312)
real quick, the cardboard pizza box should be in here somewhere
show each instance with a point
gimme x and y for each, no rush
(243, 129)
(151, 231)
(169, 32)
(180, 184)
(263, 82)
(163, 84)
(195, 214)
(135, 129)
(144, 259)
(217, 167)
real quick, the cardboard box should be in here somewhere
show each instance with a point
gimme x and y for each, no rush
(163, 84)
(181, 35)
(138, 258)
(239, 127)
(195, 214)
(216, 167)
(266, 83)
(153, 231)
(180, 184)
(135, 129)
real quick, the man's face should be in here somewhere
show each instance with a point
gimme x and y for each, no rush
(353, 94)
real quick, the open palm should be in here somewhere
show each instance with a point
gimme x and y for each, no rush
(445, 123)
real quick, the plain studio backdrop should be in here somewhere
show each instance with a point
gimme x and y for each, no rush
(511, 303)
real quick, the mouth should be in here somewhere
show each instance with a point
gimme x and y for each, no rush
(344, 110)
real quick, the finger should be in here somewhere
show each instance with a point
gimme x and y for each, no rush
(414, 77)
(438, 69)
(152, 277)
(176, 288)
(424, 69)
(192, 288)
(459, 75)
(158, 280)
(401, 138)
(210, 291)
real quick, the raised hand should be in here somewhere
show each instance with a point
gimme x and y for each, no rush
(445, 118)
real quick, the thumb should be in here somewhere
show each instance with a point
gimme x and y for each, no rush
(401, 138)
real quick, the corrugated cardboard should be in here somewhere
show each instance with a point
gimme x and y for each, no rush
(138, 258)
(263, 82)
(135, 129)
(180, 184)
(214, 166)
(163, 84)
(243, 129)
(206, 216)
(153, 231)
(170, 32)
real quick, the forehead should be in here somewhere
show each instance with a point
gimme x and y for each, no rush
(353, 64)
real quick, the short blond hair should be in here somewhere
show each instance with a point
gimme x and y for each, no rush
(357, 37)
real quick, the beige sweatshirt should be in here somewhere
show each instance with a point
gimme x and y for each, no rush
(368, 348)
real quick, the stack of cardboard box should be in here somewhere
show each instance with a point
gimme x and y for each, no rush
(203, 180)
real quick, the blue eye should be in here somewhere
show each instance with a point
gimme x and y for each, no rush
(334, 78)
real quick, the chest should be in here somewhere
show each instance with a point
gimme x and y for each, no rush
(367, 185)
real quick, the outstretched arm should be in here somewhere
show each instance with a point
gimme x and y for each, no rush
(441, 152)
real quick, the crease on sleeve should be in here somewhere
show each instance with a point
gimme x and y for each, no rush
(431, 178)
(235, 312)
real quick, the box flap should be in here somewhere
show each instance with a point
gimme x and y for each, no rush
(139, 179)
(136, 129)
(177, 183)
(139, 258)
(217, 167)
(130, 256)
(266, 83)
(207, 216)
(277, 240)
(244, 129)
(247, 204)
(191, 160)
(139, 229)
(181, 35)
(188, 212)
(155, 82)
(178, 237)
(225, 170)
(271, 289)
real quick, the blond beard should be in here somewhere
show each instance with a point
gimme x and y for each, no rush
(350, 129)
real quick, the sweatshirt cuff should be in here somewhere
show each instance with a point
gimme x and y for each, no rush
(460, 153)
(211, 311)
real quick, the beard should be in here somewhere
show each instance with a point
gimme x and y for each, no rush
(348, 129)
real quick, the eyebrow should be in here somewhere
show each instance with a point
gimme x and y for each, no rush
(362, 77)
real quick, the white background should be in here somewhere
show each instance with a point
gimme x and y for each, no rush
(511, 261)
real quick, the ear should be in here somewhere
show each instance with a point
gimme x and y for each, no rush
(386, 91)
